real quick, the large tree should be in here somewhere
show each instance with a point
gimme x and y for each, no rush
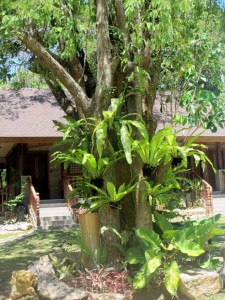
(99, 50)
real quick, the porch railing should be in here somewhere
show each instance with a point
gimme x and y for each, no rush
(69, 182)
(69, 185)
(205, 193)
(34, 201)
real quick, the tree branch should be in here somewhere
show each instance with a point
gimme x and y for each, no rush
(90, 82)
(51, 64)
(104, 74)
(66, 104)
(121, 20)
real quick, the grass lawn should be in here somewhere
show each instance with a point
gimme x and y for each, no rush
(21, 253)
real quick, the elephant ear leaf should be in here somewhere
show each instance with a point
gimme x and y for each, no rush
(172, 277)
(188, 247)
(144, 275)
(162, 222)
(149, 237)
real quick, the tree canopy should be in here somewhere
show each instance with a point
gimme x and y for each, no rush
(98, 50)
(105, 62)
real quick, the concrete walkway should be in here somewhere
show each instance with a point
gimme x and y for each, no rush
(219, 203)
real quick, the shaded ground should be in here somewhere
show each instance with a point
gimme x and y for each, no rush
(20, 254)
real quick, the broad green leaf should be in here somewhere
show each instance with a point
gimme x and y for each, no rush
(141, 127)
(126, 142)
(101, 134)
(134, 255)
(111, 190)
(89, 159)
(169, 248)
(189, 247)
(97, 204)
(150, 254)
(103, 164)
(144, 275)
(108, 114)
(101, 192)
(172, 277)
(116, 104)
(121, 188)
(162, 222)
(143, 149)
(197, 159)
(150, 237)
(169, 234)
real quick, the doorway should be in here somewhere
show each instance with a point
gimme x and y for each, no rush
(38, 168)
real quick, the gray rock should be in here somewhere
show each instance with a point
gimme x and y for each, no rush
(11, 227)
(222, 269)
(199, 284)
(42, 267)
(48, 285)
(24, 226)
(107, 296)
(51, 288)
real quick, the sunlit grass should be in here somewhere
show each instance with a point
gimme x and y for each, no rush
(9, 235)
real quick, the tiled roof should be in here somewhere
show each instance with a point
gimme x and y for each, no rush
(28, 113)
(163, 111)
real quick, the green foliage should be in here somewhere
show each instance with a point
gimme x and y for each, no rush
(211, 263)
(12, 202)
(199, 113)
(156, 153)
(94, 165)
(164, 147)
(77, 137)
(26, 79)
(75, 133)
(172, 276)
(176, 46)
(63, 266)
(10, 221)
(158, 194)
(77, 245)
(169, 250)
(3, 178)
(111, 195)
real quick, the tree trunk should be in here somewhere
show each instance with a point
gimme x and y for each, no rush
(127, 211)
(143, 216)
(110, 217)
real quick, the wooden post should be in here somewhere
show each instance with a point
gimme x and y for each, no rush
(38, 208)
